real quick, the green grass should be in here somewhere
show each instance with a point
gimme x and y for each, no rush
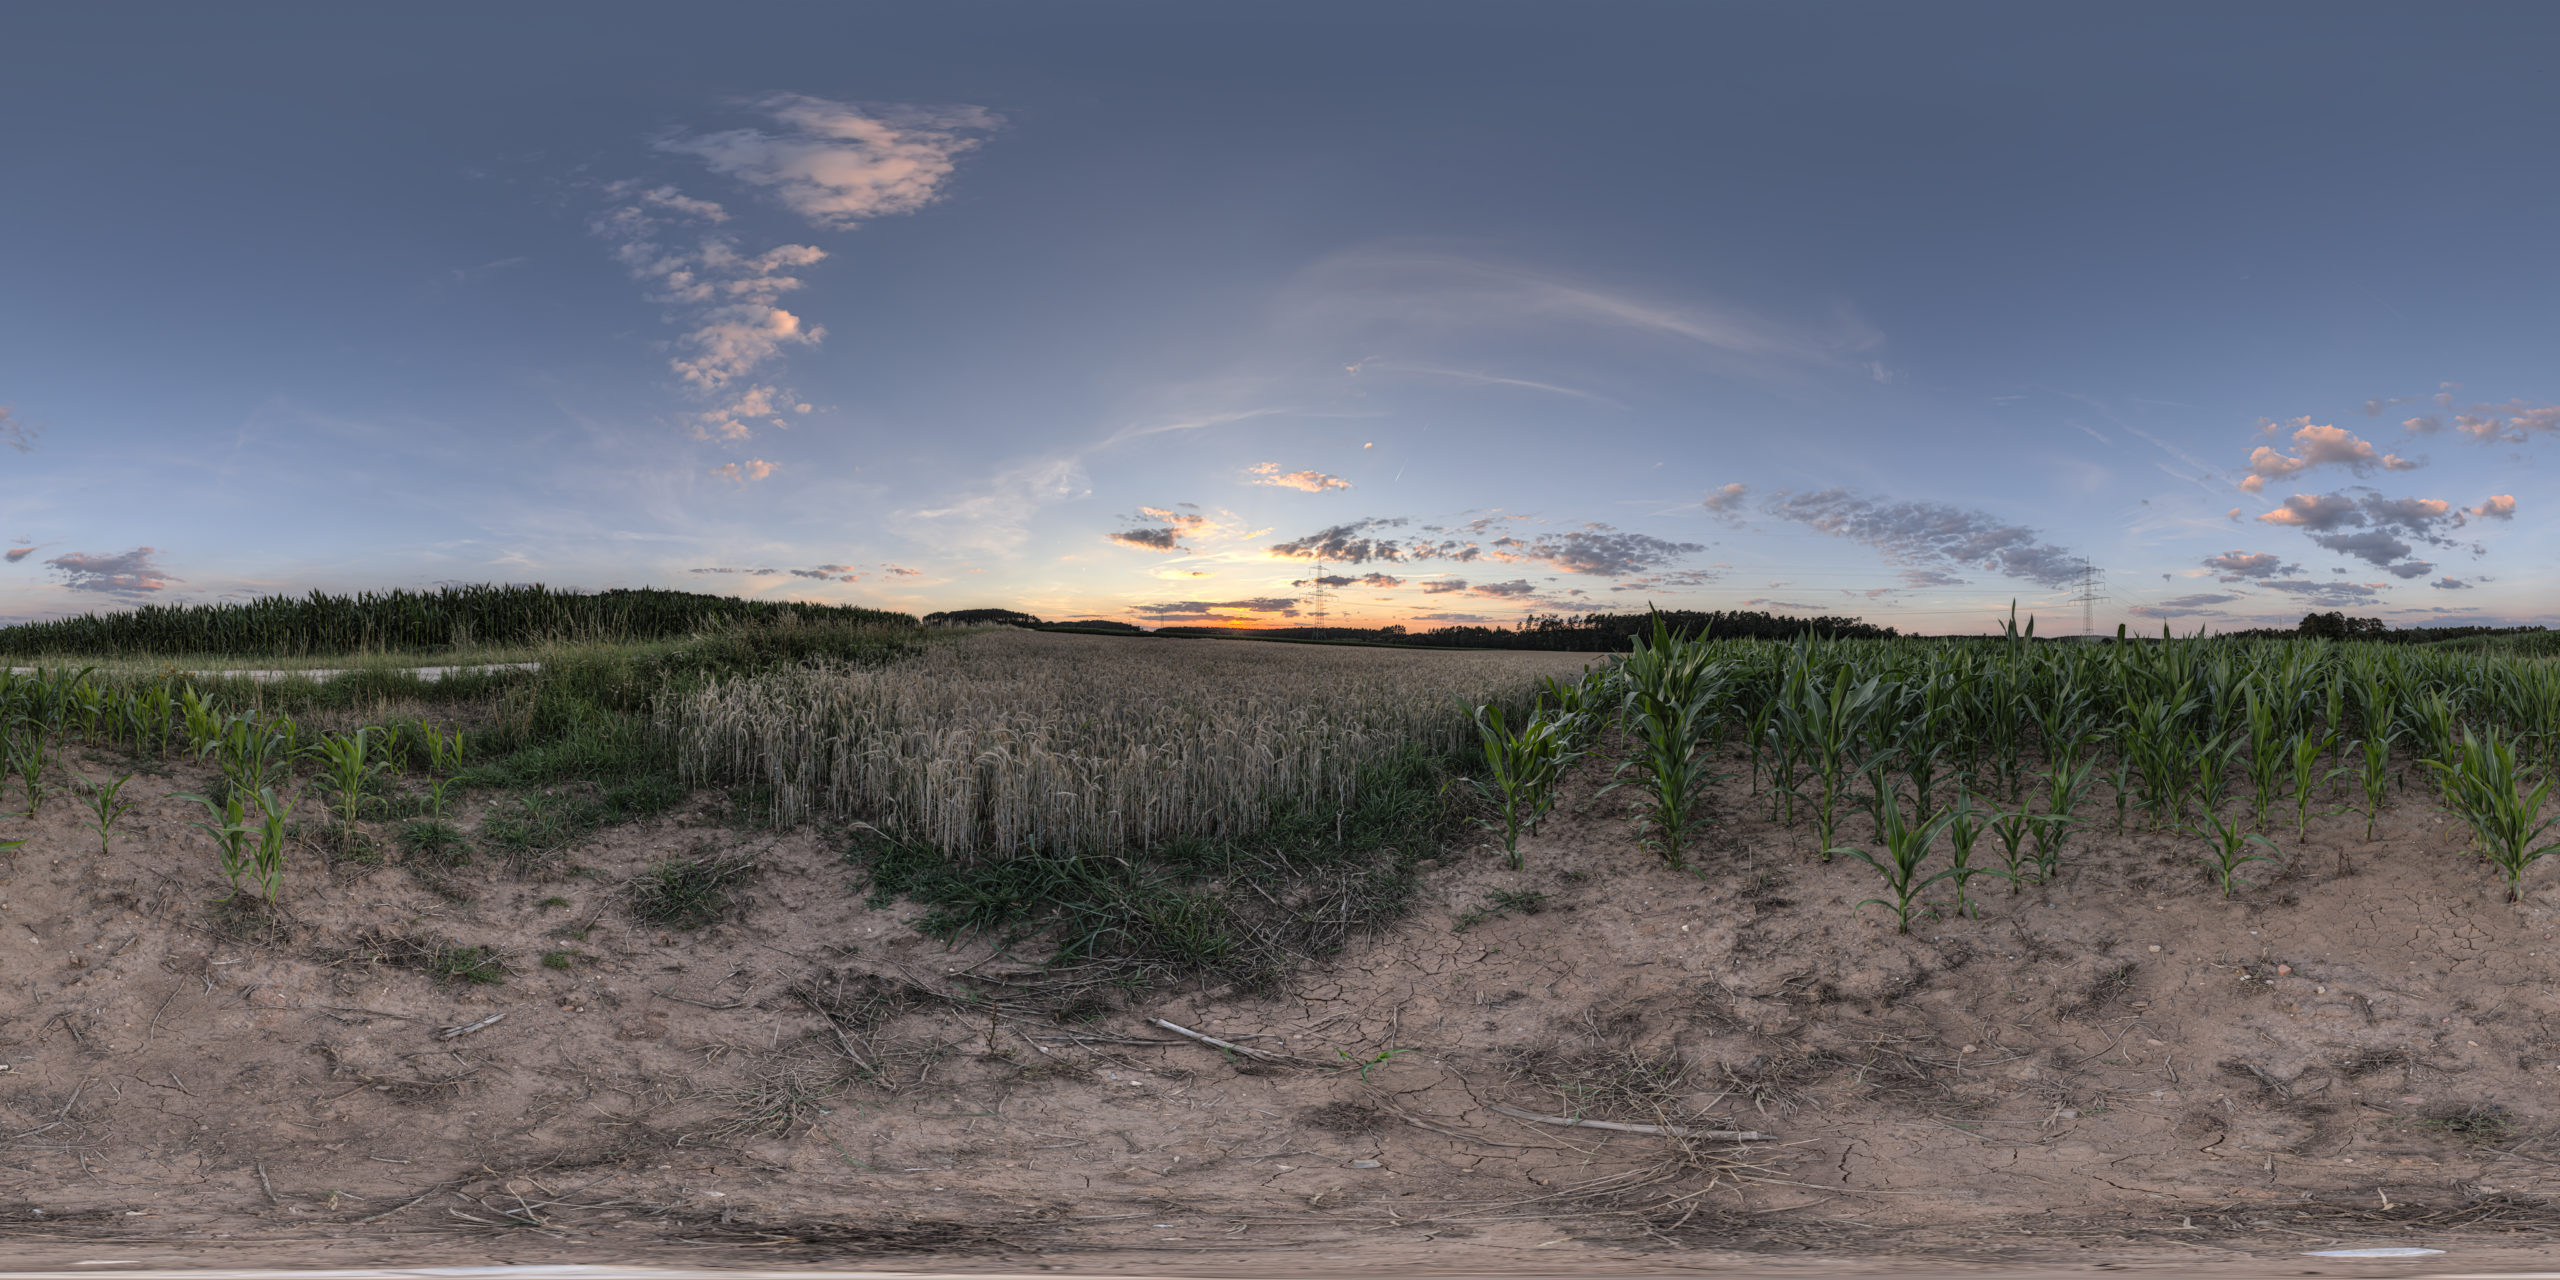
(1247, 910)
(688, 893)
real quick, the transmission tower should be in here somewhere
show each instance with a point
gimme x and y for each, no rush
(2091, 578)
(1321, 598)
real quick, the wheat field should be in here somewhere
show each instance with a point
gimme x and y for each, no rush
(1017, 742)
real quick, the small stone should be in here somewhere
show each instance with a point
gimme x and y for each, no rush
(1366, 1164)
(2283, 970)
(1966, 1049)
(2155, 946)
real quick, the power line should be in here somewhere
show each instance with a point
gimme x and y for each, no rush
(2090, 577)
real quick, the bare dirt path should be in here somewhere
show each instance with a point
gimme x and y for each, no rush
(2119, 1068)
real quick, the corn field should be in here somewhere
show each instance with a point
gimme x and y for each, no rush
(2236, 743)
(293, 626)
(1023, 742)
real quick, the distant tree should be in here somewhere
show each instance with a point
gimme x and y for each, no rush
(981, 618)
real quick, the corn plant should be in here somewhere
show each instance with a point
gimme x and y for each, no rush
(1828, 722)
(2375, 775)
(28, 756)
(253, 754)
(105, 802)
(2484, 787)
(202, 720)
(2208, 768)
(2308, 748)
(2267, 756)
(2065, 785)
(1675, 697)
(154, 710)
(226, 823)
(2015, 829)
(1522, 767)
(2227, 849)
(1906, 850)
(347, 766)
(1965, 821)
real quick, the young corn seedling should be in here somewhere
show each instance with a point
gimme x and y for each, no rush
(2308, 747)
(2015, 830)
(28, 756)
(2504, 818)
(106, 802)
(2121, 781)
(2065, 785)
(2267, 757)
(226, 823)
(2227, 849)
(1965, 821)
(348, 766)
(202, 721)
(1521, 769)
(1674, 702)
(267, 860)
(2375, 776)
(1906, 850)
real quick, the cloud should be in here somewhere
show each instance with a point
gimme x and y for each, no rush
(1219, 610)
(2185, 606)
(744, 411)
(1346, 580)
(2335, 594)
(994, 518)
(1592, 549)
(1727, 501)
(829, 573)
(2377, 547)
(1443, 586)
(16, 554)
(2411, 569)
(2374, 408)
(2513, 422)
(834, 164)
(1788, 604)
(1925, 535)
(2450, 584)
(2242, 566)
(1268, 473)
(1596, 549)
(1511, 590)
(2317, 446)
(17, 432)
(131, 574)
(739, 473)
(2501, 507)
(837, 164)
(1670, 580)
(901, 571)
(1348, 543)
(2315, 512)
(1148, 539)
(1172, 526)
(2394, 462)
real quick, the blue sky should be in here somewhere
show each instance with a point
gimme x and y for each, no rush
(1146, 310)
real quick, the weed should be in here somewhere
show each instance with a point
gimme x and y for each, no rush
(688, 893)
(430, 843)
(559, 959)
(2227, 850)
(1500, 904)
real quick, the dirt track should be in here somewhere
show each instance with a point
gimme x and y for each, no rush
(2330, 1060)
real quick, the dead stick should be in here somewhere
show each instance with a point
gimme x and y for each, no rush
(456, 1033)
(1214, 1042)
(1663, 1130)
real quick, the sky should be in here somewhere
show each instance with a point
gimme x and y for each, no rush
(1255, 314)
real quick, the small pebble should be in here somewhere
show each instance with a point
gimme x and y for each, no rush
(2283, 969)
(2155, 947)
(1966, 1049)
(1365, 1164)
